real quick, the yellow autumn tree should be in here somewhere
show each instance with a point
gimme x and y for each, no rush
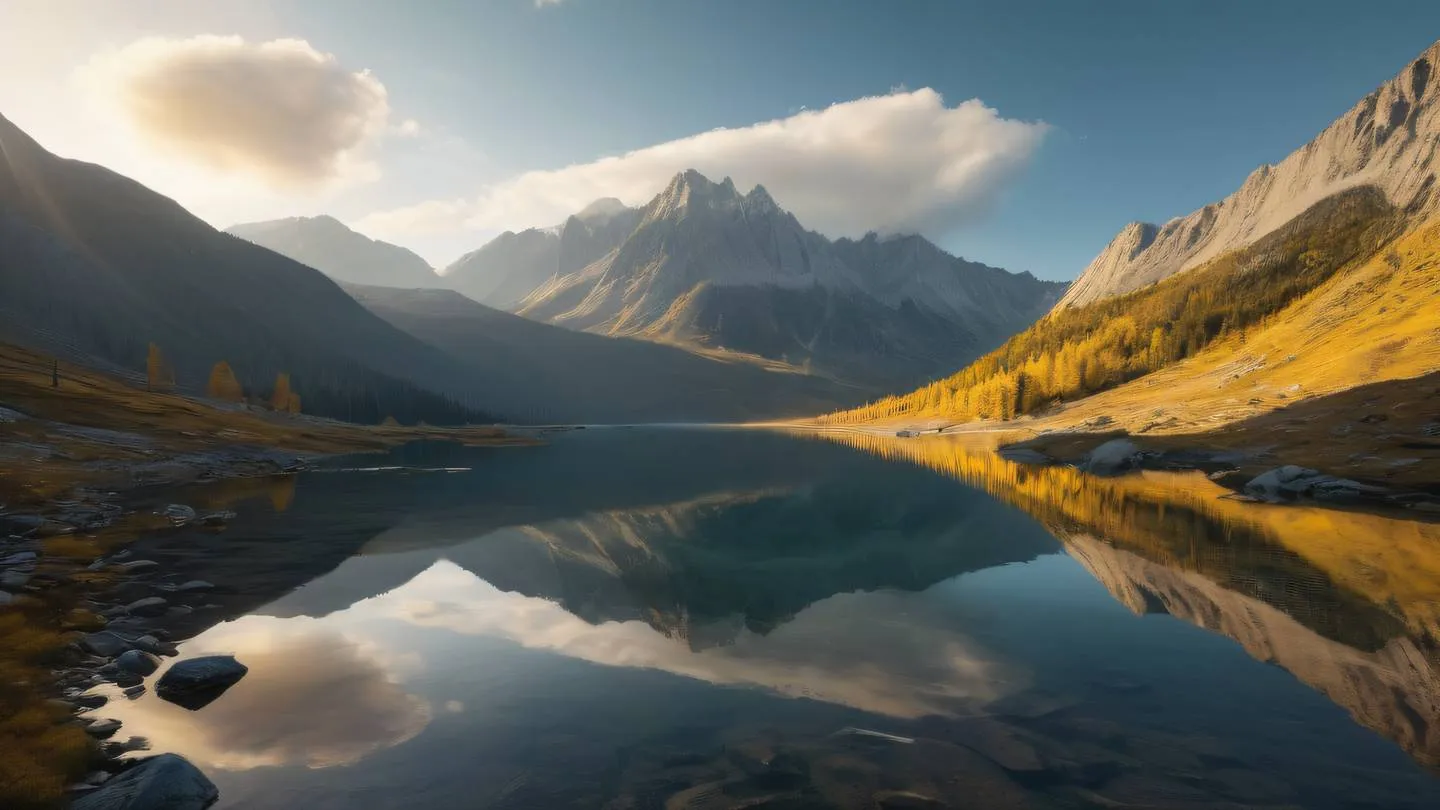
(159, 376)
(284, 399)
(223, 384)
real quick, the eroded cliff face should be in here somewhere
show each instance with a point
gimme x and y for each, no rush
(1394, 690)
(1388, 140)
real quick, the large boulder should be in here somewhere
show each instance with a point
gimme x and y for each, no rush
(1113, 457)
(166, 782)
(196, 682)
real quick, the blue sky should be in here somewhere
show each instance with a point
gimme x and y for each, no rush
(1153, 108)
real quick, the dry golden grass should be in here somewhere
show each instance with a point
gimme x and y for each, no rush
(40, 750)
(1292, 384)
(1377, 322)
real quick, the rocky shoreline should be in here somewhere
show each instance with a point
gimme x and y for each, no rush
(1242, 472)
(71, 556)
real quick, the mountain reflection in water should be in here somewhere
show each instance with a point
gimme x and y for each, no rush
(672, 618)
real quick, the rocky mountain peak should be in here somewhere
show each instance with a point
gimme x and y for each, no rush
(1386, 140)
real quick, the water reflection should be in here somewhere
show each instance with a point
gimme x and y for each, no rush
(1345, 601)
(708, 624)
(314, 696)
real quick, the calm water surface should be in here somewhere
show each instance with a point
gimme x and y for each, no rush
(666, 618)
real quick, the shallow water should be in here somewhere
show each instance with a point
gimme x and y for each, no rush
(647, 618)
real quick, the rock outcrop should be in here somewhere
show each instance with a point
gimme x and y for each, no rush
(1388, 140)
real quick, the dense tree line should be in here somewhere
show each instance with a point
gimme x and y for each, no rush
(1079, 351)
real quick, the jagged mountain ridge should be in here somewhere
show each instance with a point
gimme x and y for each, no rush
(1389, 140)
(327, 245)
(709, 266)
(509, 267)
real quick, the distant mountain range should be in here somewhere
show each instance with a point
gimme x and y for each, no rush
(730, 277)
(705, 266)
(1387, 140)
(340, 253)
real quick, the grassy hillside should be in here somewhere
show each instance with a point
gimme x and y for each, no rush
(1075, 353)
(543, 373)
(96, 267)
(90, 426)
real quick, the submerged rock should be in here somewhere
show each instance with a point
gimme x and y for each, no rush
(197, 682)
(103, 729)
(138, 662)
(105, 644)
(166, 782)
(149, 606)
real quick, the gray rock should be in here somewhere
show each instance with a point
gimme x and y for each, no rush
(217, 518)
(133, 692)
(1025, 455)
(195, 682)
(103, 729)
(149, 606)
(131, 566)
(19, 558)
(105, 643)
(178, 514)
(166, 782)
(1289, 483)
(154, 645)
(138, 662)
(89, 701)
(195, 586)
(20, 524)
(1113, 457)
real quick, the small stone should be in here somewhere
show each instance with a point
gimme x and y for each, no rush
(138, 662)
(133, 692)
(217, 518)
(178, 514)
(149, 606)
(125, 680)
(105, 643)
(129, 746)
(19, 558)
(103, 729)
(154, 645)
(131, 566)
(89, 701)
(195, 586)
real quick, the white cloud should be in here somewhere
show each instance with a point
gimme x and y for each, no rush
(313, 697)
(898, 162)
(884, 652)
(280, 111)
